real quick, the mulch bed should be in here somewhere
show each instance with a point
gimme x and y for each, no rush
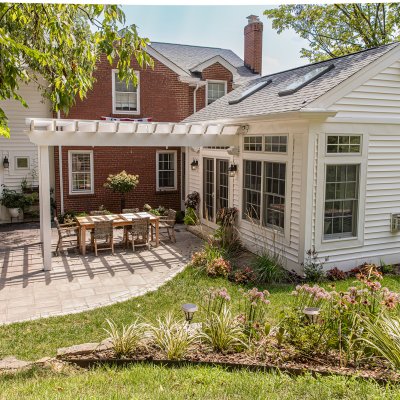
(283, 360)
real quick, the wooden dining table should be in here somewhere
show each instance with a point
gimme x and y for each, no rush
(87, 222)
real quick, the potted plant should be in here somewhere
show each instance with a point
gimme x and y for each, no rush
(122, 183)
(15, 202)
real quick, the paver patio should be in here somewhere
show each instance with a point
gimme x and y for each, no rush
(77, 283)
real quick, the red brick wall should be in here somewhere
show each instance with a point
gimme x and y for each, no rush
(162, 97)
(111, 160)
(213, 72)
(253, 46)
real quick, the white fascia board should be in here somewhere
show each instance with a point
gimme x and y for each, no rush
(168, 63)
(216, 59)
(360, 77)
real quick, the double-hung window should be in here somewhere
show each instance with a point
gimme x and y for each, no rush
(80, 171)
(341, 201)
(167, 170)
(264, 190)
(215, 90)
(125, 97)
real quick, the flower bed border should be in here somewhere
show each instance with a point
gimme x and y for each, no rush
(87, 362)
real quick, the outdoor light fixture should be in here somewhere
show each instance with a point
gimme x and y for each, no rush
(6, 163)
(232, 170)
(189, 309)
(312, 313)
(194, 164)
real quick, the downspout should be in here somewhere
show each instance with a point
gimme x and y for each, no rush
(195, 97)
(60, 169)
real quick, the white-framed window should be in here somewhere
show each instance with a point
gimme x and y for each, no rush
(81, 171)
(126, 99)
(343, 144)
(276, 144)
(264, 191)
(215, 90)
(22, 162)
(341, 201)
(166, 162)
(252, 143)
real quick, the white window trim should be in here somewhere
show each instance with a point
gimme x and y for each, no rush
(70, 153)
(343, 154)
(263, 143)
(360, 159)
(114, 110)
(166, 189)
(254, 151)
(275, 152)
(215, 81)
(22, 168)
(272, 232)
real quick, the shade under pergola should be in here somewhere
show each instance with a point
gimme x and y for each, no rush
(46, 132)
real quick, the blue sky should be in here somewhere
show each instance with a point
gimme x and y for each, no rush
(216, 26)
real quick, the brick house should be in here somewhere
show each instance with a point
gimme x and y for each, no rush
(185, 79)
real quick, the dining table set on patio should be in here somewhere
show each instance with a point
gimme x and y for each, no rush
(139, 229)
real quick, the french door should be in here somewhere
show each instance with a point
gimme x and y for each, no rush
(215, 187)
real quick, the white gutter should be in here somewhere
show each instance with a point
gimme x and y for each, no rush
(60, 169)
(198, 85)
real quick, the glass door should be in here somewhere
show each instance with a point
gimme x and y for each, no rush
(215, 187)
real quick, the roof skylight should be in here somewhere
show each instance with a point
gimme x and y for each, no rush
(305, 80)
(249, 91)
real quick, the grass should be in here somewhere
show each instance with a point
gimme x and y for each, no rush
(154, 382)
(35, 339)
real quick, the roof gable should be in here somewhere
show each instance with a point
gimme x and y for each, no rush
(267, 100)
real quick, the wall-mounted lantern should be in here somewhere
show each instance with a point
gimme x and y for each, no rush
(232, 170)
(6, 163)
(194, 164)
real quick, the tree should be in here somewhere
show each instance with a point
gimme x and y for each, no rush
(57, 46)
(122, 183)
(334, 30)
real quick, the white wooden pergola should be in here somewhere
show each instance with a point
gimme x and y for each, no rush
(67, 132)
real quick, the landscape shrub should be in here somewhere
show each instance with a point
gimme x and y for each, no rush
(268, 268)
(218, 267)
(172, 337)
(243, 275)
(127, 340)
(336, 274)
(313, 267)
(190, 217)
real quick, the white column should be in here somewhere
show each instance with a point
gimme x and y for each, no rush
(44, 199)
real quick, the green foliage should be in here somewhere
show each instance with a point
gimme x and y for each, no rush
(268, 268)
(334, 30)
(122, 182)
(387, 268)
(383, 336)
(313, 267)
(190, 217)
(214, 300)
(127, 340)
(62, 43)
(12, 199)
(227, 235)
(218, 267)
(172, 337)
(223, 333)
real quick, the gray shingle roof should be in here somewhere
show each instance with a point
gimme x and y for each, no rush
(187, 57)
(267, 101)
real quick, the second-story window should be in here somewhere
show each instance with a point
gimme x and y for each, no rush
(215, 90)
(125, 97)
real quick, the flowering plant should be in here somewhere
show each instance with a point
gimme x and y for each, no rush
(310, 296)
(215, 300)
(218, 267)
(253, 310)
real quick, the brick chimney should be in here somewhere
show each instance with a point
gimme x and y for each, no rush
(253, 44)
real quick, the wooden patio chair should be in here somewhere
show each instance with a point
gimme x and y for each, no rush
(66, 232)
(103, 230)
(139, 233)
(127, 228)
(166, 224)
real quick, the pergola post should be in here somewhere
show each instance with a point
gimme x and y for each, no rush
(44, 201)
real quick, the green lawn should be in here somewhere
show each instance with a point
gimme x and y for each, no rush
(150, 382)
(35, 339)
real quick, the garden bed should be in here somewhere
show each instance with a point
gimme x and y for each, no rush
(288, 363)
